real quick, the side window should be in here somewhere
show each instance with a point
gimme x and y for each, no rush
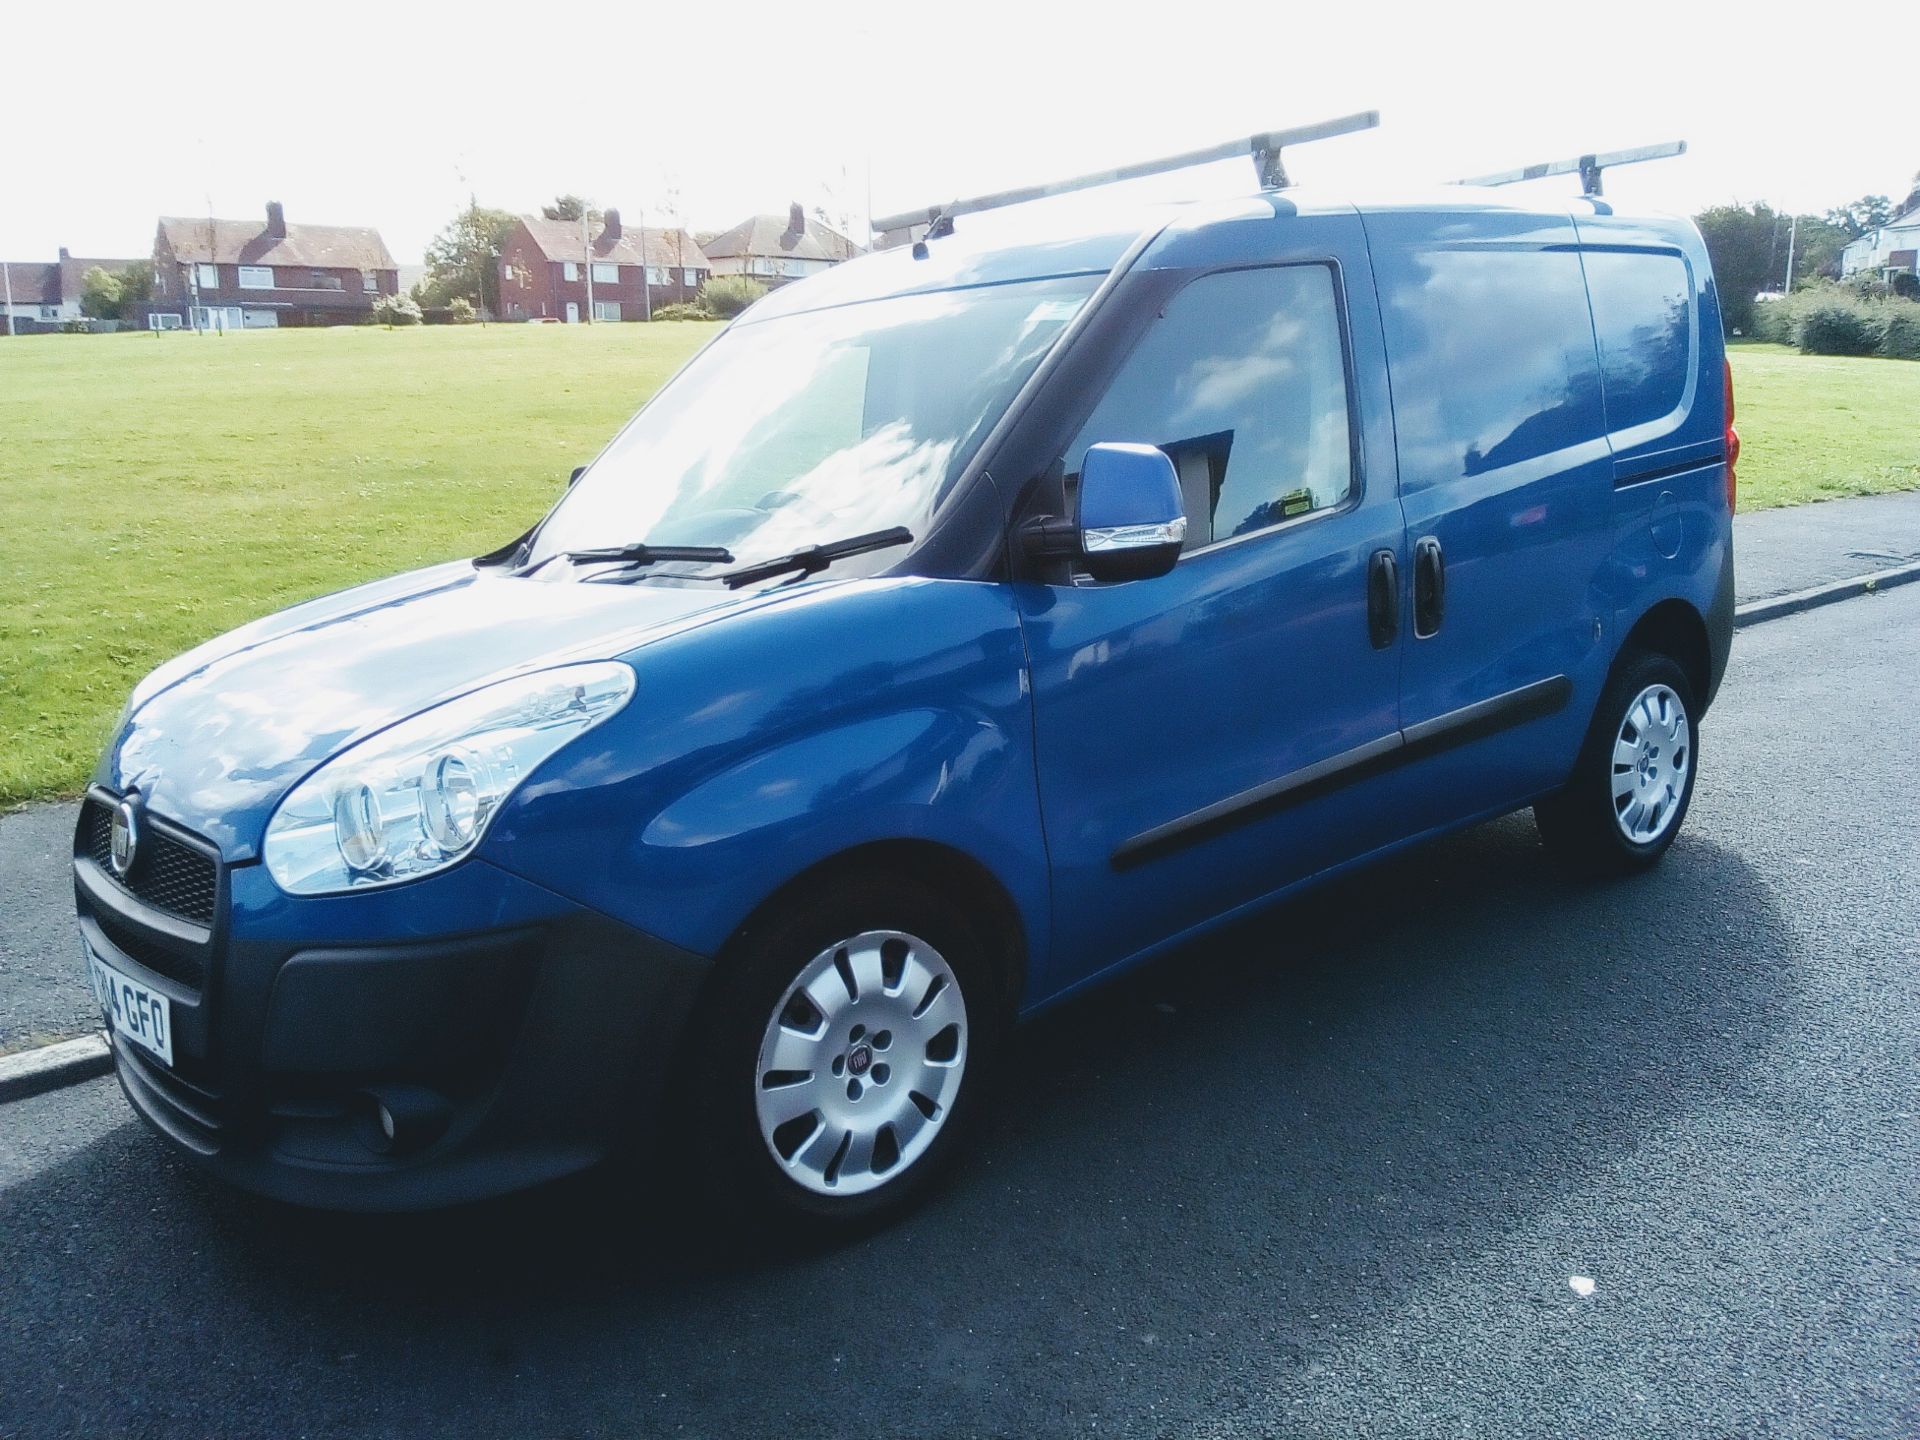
(1242, 381)
(1491, 355)
(1643, 314)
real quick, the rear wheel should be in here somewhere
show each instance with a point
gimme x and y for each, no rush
(832, 1071)
(1633, 782)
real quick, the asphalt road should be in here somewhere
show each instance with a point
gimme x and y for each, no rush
(1330, 1174)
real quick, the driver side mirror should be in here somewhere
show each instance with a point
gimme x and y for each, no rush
(1131, 521)
(574, 478)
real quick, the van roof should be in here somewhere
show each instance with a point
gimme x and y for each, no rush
(1085, 235)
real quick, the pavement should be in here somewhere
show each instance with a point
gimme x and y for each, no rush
(1777, 552)
(1345, 1170)
(43, 993)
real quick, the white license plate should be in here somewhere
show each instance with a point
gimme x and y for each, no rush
(135, 1012)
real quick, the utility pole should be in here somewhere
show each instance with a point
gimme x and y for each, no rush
(6, 273)
(646, 270)
(1793, 229)
(586, 254)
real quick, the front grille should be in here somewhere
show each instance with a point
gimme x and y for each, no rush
(162, 959)
(167, 873)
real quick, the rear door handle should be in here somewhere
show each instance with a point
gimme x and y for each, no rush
(1383, 599)
(1429, 587)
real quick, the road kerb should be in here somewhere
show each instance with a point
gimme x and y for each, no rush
(30, 1072)
(1756, 611)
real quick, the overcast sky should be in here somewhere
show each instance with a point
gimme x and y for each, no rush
(390, 114)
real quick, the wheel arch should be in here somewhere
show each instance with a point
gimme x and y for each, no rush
(977, 890)
(1674, 628)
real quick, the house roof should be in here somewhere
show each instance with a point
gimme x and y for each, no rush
(774, 235)
(560, 240)
(33, 282)
(74, 268)
(247, 242)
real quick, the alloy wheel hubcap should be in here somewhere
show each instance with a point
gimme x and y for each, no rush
(1651, 756)
(861, 1062)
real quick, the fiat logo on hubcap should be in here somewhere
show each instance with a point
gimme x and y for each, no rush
(123, 840)
(858, 1061)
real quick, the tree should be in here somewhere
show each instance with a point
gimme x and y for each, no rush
(100, 294)
(571, 207)
(1869, 212)
(1742, 242)
(464, 259)
(136, 287)
(1817, 245)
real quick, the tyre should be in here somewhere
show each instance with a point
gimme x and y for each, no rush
(835, 1065)
(1632, 784)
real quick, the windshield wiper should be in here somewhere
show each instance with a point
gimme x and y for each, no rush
(814, 558)
(643, 554)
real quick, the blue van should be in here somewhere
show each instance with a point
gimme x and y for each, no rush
(959, 628)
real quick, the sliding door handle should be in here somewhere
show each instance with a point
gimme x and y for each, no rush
(1383, 599)
(1429, 587)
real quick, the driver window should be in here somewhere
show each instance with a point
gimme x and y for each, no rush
(1241, 380)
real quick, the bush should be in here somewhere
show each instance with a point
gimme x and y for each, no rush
(680, 310)
(727, 296)
(392, 310)
(1773, 321)
(1902, 338)
(1833, 326)
(460, 311)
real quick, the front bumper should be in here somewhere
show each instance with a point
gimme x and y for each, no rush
(516, 1035)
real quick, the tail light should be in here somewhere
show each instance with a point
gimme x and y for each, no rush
(1733, 441)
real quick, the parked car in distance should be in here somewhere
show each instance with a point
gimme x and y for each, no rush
(961, 627)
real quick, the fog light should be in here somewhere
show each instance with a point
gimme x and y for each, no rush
(400, 1119)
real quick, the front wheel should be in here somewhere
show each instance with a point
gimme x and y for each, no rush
(1632, 784)
(837, 1062)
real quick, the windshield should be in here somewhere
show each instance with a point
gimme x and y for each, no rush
(817, 426)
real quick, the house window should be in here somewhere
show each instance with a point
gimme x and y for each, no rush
(506, 272)
(570, 270)
(606, 309)
(370, 281)
(325, 280)
(604, 274)
(657, 275)
(209, 276)
(689, 278)
(254, 277)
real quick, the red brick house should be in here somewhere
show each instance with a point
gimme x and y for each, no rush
(44, 296)
(597, 270)
(242, 274)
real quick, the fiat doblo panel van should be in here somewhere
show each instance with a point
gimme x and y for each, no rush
(958, 628)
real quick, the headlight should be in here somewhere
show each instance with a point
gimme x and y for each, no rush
(417, 797)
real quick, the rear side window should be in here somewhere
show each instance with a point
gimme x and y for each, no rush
(1242, 381)
(1492, 359)
(1642, 312)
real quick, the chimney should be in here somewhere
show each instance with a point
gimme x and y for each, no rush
(276, 220)
(796, 220)
(612, 232)
(63, 253)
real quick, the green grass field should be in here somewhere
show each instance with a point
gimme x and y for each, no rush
(161, 489)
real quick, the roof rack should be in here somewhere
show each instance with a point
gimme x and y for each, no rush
(1264, 150)
(1587, 167)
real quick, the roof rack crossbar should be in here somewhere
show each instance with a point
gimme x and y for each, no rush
(1264, 150)
(1587, 167)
